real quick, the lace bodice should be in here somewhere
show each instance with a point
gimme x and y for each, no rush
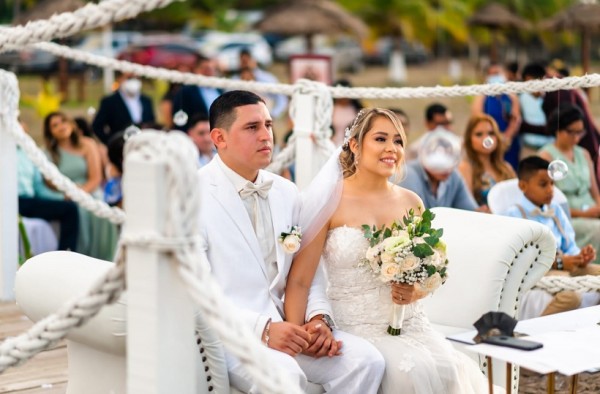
(361, 302)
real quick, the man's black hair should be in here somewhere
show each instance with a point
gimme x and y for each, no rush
(435, 109)
(222, 110)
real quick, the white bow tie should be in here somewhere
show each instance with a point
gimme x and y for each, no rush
(262, 190)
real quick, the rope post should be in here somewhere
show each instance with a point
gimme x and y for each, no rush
(304, 126)
(108, 74)
(9, 206)
(161, 351)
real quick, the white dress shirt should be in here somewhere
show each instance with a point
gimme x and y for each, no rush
(263, 223)
(134, 105)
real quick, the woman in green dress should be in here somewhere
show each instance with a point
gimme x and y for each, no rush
(77, 157)
(579, 186)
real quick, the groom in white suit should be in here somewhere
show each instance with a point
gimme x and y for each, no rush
(243, 211)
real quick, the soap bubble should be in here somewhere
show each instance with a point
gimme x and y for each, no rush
(130, 132)
(488, 143)
(558, 170)
(440, 151)
(180, 118)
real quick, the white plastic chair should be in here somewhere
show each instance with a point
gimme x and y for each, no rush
(505, 194)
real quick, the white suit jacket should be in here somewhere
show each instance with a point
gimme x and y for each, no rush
(233, 251)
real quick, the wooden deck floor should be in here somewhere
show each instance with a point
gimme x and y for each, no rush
(46, 373)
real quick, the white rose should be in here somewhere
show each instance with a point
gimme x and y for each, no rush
(432, 283)
(436, 259)
(417, 219)
(387, 257)
(388, 271)
(409, 263)
(291, 244)
(372, 253)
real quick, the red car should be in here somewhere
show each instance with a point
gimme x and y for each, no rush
(164, 54)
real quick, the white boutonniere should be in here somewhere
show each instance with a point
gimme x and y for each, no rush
(291, 240)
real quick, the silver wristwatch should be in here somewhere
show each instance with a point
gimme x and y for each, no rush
(328, 321)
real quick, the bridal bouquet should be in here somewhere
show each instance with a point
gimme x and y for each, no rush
(410, 251)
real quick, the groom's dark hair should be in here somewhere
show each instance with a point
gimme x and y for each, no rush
(222, 110)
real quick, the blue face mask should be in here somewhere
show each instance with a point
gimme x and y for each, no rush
(498, 78)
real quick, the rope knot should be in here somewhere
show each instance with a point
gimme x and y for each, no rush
(323, 106)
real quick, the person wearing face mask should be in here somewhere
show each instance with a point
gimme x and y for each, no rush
(434, 176)
(125, 107)
(505, 110)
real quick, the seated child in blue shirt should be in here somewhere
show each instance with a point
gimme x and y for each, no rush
(536, 204)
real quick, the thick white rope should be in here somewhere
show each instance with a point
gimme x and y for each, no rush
(285, 158)
(545, 85)
(181, 240)
(162, 73)
(68, 23)
(555, 284)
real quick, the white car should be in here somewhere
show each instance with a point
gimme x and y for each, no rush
(226, 47)
(92, 42)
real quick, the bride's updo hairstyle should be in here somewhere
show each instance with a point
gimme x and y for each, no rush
(362, 123)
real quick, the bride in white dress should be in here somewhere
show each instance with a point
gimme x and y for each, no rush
(420, 360)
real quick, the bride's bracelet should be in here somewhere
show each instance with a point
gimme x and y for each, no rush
(266, 332)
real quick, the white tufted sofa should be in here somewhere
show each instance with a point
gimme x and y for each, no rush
(493, 261)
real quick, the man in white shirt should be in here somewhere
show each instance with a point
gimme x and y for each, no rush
(244, 210)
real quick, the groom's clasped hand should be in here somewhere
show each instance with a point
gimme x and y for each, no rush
(313, 339)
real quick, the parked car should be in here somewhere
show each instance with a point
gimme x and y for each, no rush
(120, 40)
(346, 52)
(93, 43)
(226, 47)
(166, 51)
(381, 50)
(28, 60)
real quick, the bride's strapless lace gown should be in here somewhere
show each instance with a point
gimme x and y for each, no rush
(420, 360)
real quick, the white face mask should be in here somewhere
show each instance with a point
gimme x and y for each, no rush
(498, 78)
(132, 87)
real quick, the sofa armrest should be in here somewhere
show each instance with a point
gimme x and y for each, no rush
(49, 280)
(493, 261)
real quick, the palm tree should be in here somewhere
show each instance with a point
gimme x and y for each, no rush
(423, 20)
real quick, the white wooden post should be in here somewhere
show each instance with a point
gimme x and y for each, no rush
(108, 74)
(161, 346)
(304, 127)
(9, 207)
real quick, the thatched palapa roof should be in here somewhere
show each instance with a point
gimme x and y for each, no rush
(495, 16)
(585, 15)
(305, 17)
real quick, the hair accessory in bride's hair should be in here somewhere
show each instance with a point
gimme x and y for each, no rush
(349, 129)
(346, 137)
